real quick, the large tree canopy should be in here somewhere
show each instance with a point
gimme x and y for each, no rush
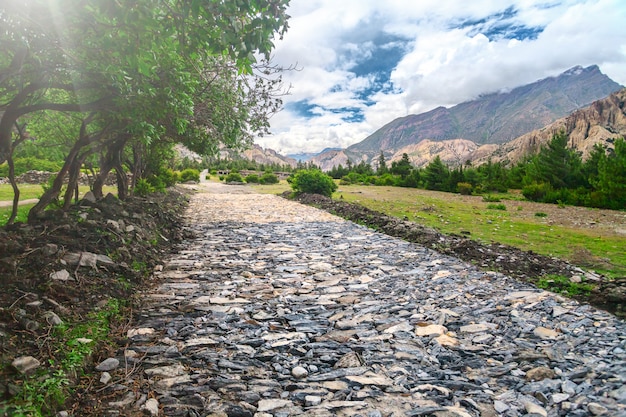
(144, 72)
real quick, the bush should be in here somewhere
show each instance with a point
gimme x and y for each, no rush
(23, 165)
(190, 174)
(269, 178)
(496, 207)
(464, 188)
(252, 179)
(156, 182)
(386, 179)
(168, 177)
(233, 177)
(536, 191)
(541, 214)
(313, 181)
(143, 188)
(490, 199)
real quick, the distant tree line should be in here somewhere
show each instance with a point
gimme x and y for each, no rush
(557, 174)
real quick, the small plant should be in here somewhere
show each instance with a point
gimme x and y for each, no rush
(563, 285)
(143, 187)
(313, 181)
(541, 214)
(488, 198)
(496, 207)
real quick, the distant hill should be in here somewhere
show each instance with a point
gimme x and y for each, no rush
(306, 157)
(492, 119)
(267, 156)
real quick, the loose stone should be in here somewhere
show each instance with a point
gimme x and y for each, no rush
(277, 309)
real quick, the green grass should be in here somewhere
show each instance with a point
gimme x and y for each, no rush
(27, 191)
(563, 285)
(22, 213)
(451, 214)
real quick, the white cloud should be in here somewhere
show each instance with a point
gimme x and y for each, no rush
(453, 50)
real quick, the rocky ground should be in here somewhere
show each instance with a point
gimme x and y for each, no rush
(70, 265)
(270, 308)
(523, 265)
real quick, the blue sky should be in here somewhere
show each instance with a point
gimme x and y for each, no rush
(363, 63)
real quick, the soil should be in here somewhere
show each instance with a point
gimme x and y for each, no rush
(136, 235)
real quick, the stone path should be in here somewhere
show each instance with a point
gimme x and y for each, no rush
(279, 309)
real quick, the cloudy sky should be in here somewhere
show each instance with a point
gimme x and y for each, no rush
(363, 63)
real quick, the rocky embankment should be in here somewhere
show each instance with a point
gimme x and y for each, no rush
(275, 309)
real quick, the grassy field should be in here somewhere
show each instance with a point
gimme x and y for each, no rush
(27, 192)
(589, 238)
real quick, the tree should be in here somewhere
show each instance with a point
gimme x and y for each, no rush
(138, 74)
(436, 175)
(402, 167)
(382, 164)
(611, 179)
(556, 165)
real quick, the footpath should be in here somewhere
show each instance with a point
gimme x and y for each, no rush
(279, 309)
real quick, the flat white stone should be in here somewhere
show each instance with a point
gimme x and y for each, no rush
(400, 327)
(200, 341)
(171, 382)
(370, 378)
(142, 331)
(545, 333)
(430, 330)
(273, 404)
(166, 371)
(477, 328)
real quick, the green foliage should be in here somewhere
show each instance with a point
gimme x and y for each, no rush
(464, 188)
(564, 285)
(488, 198)
(252, 179)
(47, 390)
(143, 187)
(436, 175)
(541, 214)
(313, 181)
(611, 177)
(190, 174)
(496, 207)
(233, 177)
(536, 191)
(269, 178)
(23, 165)
(556, 165)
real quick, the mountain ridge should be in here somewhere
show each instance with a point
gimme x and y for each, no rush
(493, 118)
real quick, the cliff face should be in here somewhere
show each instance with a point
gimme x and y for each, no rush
(601, 122)
(452, 152)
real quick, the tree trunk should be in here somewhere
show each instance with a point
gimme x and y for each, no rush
(16, 190)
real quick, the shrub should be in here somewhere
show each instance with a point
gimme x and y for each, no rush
(385, 179)
(190, 174)
(488, 198)
(541, 214)
(252, 179)
(156, 182)
(143, 188)
(269, 178)
(464, 188)
(496, 206)
(536, 191)
(313, 181)
(563, 285)
(233, 177)
(168, 177)
(23, 165)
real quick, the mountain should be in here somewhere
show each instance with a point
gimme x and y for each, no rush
(267, 156)
(306, 157)
(490, 119)
(600, 122)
